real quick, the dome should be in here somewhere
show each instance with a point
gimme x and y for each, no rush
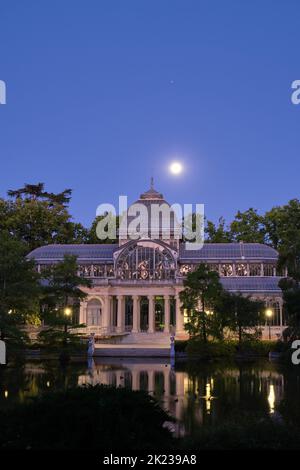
(152, 211)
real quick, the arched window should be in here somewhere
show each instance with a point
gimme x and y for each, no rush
(93, 314)
(145, 261)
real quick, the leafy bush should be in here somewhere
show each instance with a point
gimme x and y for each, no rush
(230, 348)
(256, 347)
(211, 348)
(97, 417)
(55, 339)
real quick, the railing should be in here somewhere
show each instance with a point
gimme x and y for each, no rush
(111, 330)
(274, 331)
(104, 331)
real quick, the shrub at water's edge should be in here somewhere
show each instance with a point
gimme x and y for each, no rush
(98, 417)
(229, 348)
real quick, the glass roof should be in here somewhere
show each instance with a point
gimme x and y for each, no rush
(211, 252)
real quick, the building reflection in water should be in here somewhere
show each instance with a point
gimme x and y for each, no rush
(194, 394)
(191, 398)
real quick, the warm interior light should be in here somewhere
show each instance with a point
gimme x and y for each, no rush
(269, 312)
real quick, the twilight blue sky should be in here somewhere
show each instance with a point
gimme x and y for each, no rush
(102, 94)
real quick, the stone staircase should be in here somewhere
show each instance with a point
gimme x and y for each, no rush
(136, 345)
(158, 338)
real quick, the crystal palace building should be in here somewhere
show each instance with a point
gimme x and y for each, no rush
(136, 284)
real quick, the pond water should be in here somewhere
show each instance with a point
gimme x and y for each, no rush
(196, 394)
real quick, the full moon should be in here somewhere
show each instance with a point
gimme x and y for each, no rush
(176, 168)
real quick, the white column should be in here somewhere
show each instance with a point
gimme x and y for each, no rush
(167, 313)
(151, 381)
(120, 314)
(280, 313)
(234, 269)
(82, 312)
(135, 379)
(111, 311)
(179, 317)
(106, 313)
(151, 314)
(136, 314)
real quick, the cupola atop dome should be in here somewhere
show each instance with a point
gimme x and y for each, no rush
(151, 217)
(152, 193)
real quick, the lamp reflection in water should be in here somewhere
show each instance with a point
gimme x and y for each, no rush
(271, 399)
(208, 397)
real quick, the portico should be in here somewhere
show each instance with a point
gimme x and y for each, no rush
(124, 311)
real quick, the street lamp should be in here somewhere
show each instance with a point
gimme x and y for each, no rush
(64, 356)
(269, 314)
(209, 312)
(67, 313)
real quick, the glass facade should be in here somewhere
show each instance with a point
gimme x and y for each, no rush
(145, 262)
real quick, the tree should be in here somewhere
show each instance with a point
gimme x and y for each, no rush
(38, 218)
(63, 285)
(32, 191)
(283, 227)
(202, 288)
(62, 291)
(92, 233)
(217, 233)
(291, 297)
(242, 312)
(19, 289)
(248, 227)
(61, 199)
(221, 317)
